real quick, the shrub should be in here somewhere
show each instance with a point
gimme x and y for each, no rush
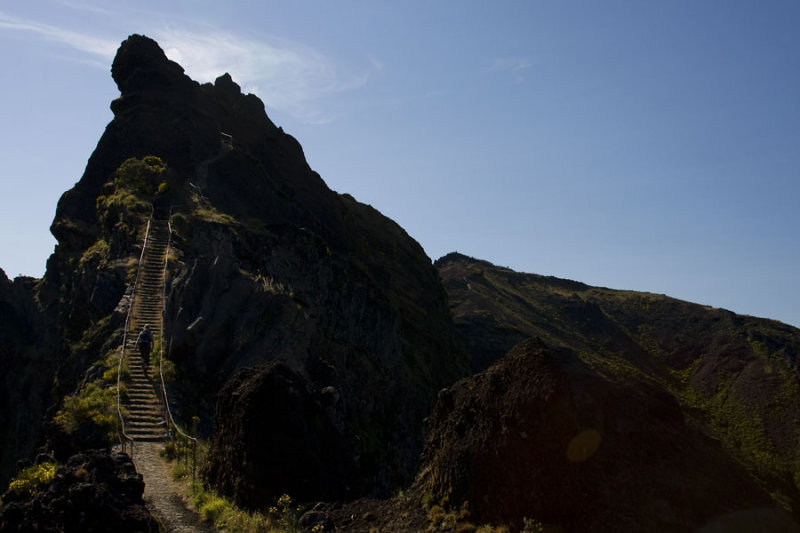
(227, 517)
(92, 410)
(110, 375)
(32, 479)
(140, 175)
(169, 452)
(180, 224)
(213, 509)
(97, 254)
(125, 206)
(169, 370)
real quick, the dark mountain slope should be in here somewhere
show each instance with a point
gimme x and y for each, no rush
(542, 435)
(25, 370)
(690, 411)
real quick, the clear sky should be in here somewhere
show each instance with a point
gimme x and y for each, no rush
(650, 146)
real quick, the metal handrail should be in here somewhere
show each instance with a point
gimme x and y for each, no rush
(122, 432)
(171, 420)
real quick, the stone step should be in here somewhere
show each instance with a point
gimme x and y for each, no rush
(150, 407)
(141, 391)
(141, 386)
(148, 437)
(136, 399)
(144, 415)
(148, 410)
(143, 421)
(150, 429)
(134, 425)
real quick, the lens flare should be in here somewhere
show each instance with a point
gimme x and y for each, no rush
(583, 445)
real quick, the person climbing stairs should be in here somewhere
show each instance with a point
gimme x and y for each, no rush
(145, 420)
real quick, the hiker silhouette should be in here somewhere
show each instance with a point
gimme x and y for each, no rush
(145, 344)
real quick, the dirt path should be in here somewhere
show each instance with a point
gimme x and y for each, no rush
(163, 496)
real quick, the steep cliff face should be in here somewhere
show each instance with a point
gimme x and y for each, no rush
(27, 372)
(267, 264)
(683, 414)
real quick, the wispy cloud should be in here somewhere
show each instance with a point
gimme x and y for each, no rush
(83, 6)
(512, 64)
(97, 47)
(286, 75)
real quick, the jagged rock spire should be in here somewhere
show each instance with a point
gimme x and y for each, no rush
(141, 64)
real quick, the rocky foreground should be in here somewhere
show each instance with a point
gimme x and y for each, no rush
(94, 492)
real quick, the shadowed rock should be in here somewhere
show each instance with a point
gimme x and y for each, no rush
(93, 492)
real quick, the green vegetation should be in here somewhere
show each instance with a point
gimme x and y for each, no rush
(211, 214)
(142, 176)
(123, 211)
(32, 479)
(440, 517)
(110, 374)
(227, 517)
(282, 517)
(97, 254)
(180, 224)
(94, 336)
(92, 409)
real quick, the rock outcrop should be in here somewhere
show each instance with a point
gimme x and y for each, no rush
(94, 492)
(277, 437)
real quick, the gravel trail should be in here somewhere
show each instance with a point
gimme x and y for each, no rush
(163, 496)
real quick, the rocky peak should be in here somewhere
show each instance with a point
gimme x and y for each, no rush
(141, 64)
(225, 85)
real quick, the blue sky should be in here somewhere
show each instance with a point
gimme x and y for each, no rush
(650, 146)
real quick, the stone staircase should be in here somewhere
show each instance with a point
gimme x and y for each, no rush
(145, 420)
